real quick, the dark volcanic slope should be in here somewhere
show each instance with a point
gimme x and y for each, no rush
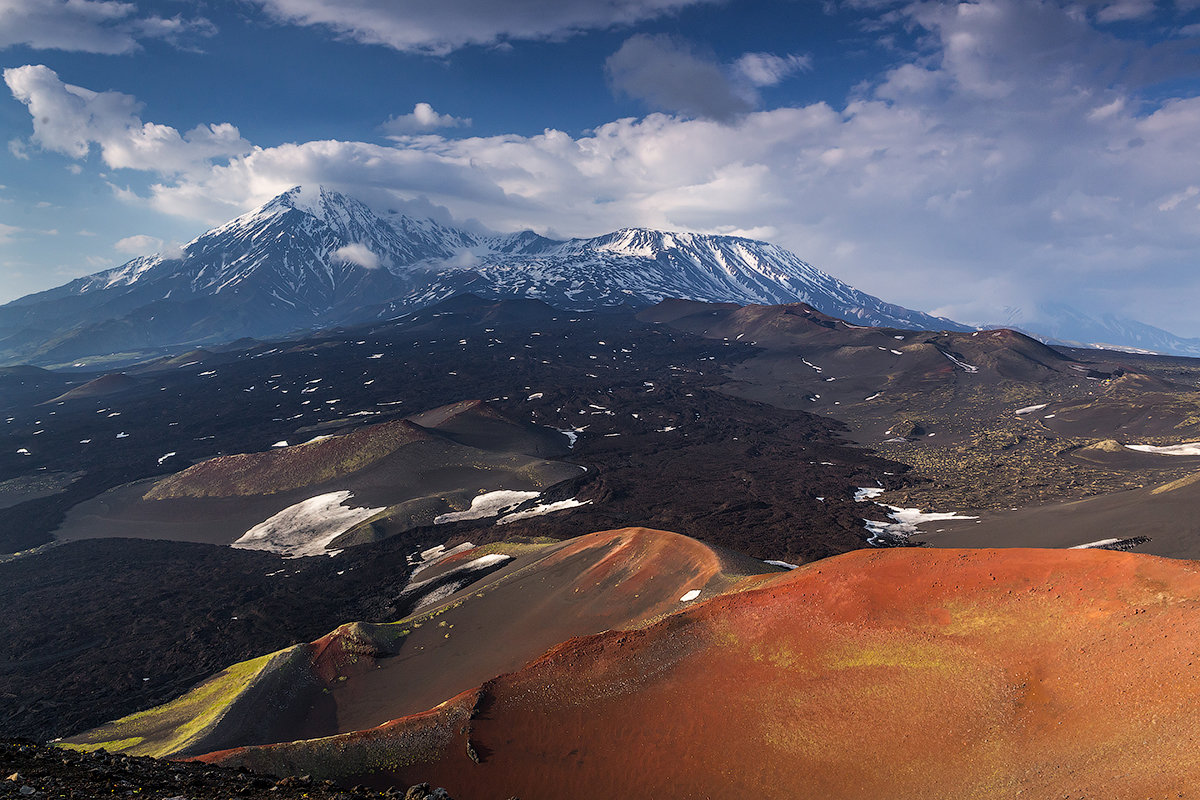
(1164, 515)
(128, 624)
(990, 418)
(719, 463)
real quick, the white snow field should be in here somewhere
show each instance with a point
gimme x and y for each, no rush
(305, 528)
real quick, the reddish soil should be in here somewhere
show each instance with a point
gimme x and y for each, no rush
(896, 673)
(361, 676)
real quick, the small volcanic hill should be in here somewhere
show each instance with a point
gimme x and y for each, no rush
(105, 385)
(475, 423)
(834, 360)
(285, 468)
(898, 673)
(400, 471)
(361, 676)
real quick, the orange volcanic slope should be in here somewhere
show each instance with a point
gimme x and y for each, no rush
(895, 674)
(362, 675)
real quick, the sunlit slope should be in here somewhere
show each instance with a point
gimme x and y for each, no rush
(902, 673)
(362, 675)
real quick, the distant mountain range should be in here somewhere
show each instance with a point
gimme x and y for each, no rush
(1059, 323)
(313, 257)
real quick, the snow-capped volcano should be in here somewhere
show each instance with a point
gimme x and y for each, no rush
(306, 243)
(314, 257)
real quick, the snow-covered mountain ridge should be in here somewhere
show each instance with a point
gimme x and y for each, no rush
(633, 265)
(313, 257)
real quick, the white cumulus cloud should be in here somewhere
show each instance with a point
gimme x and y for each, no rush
(422, 119)
(7, 232)
(667, 74)
(70, 119)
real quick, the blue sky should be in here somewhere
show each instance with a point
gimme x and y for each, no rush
(957, 158)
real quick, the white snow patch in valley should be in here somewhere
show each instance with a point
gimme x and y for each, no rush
(535, 396)
(872, 397)
(488, 504)
(320, 438)
(690, 596)
(966, 367)
(1030, 409)
(305, 528)
(572, 434)
(905, 523)
(438, 595)
(436, 555)
(783, 564)
(21, 451)
(864, 493)
(164, 457)
(281, 443)
(1094, 545)
(541, 508)
(487, 561)
(427, 558)
(1184, 449)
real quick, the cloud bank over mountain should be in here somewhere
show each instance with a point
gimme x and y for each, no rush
(1016, 149)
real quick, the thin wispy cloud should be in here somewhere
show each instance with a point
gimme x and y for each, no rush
(138, 245)
(438, 27)
(91, 26)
